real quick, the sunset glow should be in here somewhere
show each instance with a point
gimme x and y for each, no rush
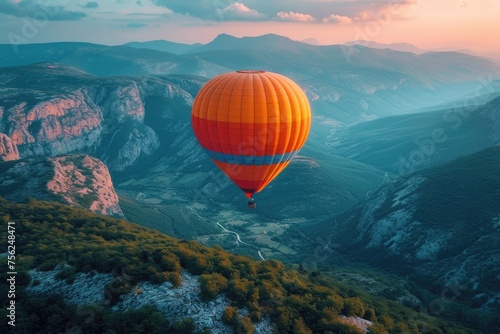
(425, 23)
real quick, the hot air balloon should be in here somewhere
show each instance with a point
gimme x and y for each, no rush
(251, 124)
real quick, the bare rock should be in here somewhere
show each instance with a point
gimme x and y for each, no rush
(77, 180)
(8, 149)
(84, 181)
(60, 110)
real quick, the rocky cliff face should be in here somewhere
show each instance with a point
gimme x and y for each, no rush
(84, 181)
(440, 227)
(8, 150)
(175, 303)
(78, 180)
(50, 109)
(54, 126)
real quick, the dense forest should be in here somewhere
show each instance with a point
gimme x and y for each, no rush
(49, 234)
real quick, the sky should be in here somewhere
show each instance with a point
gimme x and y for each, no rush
(428, 24)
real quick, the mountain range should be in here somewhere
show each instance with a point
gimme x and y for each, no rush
(439, 227)
(407, 143)
(344, 83)
(51, 109)
(399, 173)
(165, 46)
(107, 60)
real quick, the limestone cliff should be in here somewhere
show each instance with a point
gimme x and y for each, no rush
(441, 225)
(78, 180)
(174, 303)
(84, 181)
(8, 150)
(52, 109)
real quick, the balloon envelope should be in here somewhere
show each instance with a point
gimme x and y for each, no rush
(251, 124)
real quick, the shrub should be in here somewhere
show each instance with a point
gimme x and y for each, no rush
(230, 316)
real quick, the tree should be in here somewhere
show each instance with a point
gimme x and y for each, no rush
(174, 277)
(353, 307)
(245, 326)
(212, 285)
(230, 316)
(169, 262)
(299, 327)
(239, 289)
(185, 326)
(286, 316)
(387, 321)
(377, 328)
(370, 315)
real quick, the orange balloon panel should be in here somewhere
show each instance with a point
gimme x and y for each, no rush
(251, 124)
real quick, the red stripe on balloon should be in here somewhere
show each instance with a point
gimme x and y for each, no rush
(246, 139)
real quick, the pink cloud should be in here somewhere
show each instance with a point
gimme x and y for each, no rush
(337, 19)
(238, 11)
(295, 17)
(387, 12)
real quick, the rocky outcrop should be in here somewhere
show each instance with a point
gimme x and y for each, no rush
(185, 302)
(60, 110)
(175, 303)
(84, 181)
(77, 180)
(440, 225)
(52, 110)
(55, 126)
(8, 150)
(128, 144)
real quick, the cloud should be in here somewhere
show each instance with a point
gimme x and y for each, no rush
(136, 25)
(213, 10)
(295, 17)
(239, 12)
(92, 4)
(385, 12)
(34, 8)
(337, 11)
(204, 9)
(337, 19)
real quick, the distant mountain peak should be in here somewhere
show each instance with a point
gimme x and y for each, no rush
(164, 46)
(312, 41)
(266, 37)
(229, 42)
(224, 37)
(270, 35)
(401, 46)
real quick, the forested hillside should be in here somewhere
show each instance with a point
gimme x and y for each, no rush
(49, 234)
